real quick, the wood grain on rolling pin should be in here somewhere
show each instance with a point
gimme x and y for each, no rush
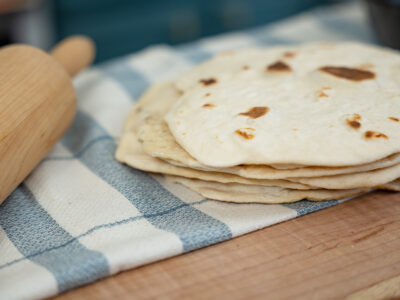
(37, 103)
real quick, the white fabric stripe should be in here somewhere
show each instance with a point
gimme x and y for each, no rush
(11, 285)
(104, 99)
(159, 63)
(79, 201)
(133, 244)
(75, 197)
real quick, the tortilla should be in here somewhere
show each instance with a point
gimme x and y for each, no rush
(130, 149)
(159, 142)
(234, 192)
(325, 106)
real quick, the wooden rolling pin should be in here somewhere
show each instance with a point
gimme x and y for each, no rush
(37, 103)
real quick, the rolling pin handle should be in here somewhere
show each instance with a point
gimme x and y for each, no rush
(74, 53)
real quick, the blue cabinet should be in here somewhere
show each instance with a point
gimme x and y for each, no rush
(123, 26)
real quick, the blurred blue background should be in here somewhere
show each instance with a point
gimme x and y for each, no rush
(123, 26)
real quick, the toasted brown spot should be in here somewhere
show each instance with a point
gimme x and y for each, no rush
(295, 129)
(207, 95)
(348, 73)
(372, 134)
(289, 54)
(353, 122)
(321, 94)
(208, 105)
(255, 112)
(208, 81)
(246, 133)
(279, 66)
(394, 119)
(245, 67)
(183, 133)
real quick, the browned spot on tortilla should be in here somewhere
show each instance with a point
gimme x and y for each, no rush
(255, 112)
(279, 66)
(321, 94)
(183, 133)
(372, 134)
(207, 95)
(348, 73)
(289, 54)
(353, 122)
(208, 105)
(245, 67)
(394, 119)
(208, 81)
(246, 133)
(295, 129)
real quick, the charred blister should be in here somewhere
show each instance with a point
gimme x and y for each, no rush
(246, 133)
(354, 121)
(255, 112)
(373, 134)
(394, 119)
(278, 67)
(208, 81)
(208, 105)
(348, 73)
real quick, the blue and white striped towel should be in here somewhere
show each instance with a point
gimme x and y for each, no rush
(81, 215)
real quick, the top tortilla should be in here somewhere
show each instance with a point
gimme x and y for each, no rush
(157, 141)
(313, 105)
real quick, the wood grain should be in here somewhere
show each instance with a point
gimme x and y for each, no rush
(330, 254)
(37, 103)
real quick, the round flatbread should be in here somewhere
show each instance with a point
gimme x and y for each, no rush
(336, 105)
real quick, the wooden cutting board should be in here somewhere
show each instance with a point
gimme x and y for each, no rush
(349, 250)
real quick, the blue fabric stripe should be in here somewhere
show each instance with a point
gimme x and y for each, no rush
(132, 81)
(195, 228)
(98, 227)
(33, 231)
(305, 206)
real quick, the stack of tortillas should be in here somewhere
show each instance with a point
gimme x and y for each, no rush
(316, 121)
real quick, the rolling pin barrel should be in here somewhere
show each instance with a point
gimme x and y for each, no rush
(38, 104)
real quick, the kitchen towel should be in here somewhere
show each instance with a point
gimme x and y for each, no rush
(81, 215)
